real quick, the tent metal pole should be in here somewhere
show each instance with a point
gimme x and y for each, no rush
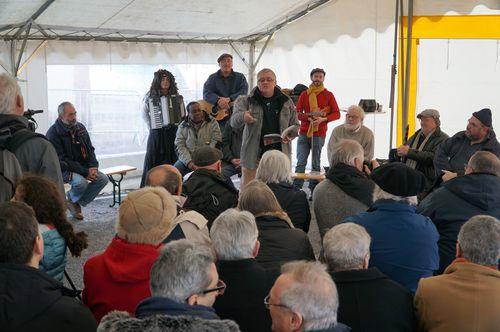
(394, 71)
(263, 48)
(21, 52)
(408, 64)
(251, 68)
(239, 54)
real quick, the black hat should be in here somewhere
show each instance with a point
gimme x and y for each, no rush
(224, 55)
(484, 116)
(298, 89)
(206, 155)
(399, 179)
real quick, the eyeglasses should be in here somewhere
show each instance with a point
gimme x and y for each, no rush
(220, 288)
(267, 304)
(268, 79)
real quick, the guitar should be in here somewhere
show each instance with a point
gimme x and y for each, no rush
(215, 111)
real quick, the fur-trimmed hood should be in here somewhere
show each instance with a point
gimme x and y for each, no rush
(123, 322)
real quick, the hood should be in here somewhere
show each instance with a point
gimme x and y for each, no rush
(163, 306)
(129, 262)
(479, 189)
(25, 293)
(8, 120)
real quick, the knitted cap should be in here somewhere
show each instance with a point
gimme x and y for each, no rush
(399, 179)
(484, 116)
(146, 216)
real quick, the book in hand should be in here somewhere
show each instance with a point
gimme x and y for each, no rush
(271, 139)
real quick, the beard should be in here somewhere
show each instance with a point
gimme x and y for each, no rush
(69, 123)
(352, 127)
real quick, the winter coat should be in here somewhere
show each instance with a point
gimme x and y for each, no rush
(404, 242)
(370, 301)
(54, 252)
(456, 151)
(188, 138)
(118, 279)
(74, 148)
(251, 142)
(248, 284)
(215, 87)
(455, 202)
(36, 155)
(465, 298)
(295, 204)
(281, 243)
(30, 300)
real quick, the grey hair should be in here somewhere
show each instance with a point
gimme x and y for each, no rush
(9, 90)
(181, 270)
(479, 240)
(485, 162)
(345, 151)
(274, 167)
(234, 235)
(346, 246)
(62, 107)
(380, 194)
(313, 294)
(266, 70)
(358, 109)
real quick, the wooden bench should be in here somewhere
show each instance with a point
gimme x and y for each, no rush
(319, 176)
(121, 171)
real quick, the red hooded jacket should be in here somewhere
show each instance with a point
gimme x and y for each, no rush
(325, 98)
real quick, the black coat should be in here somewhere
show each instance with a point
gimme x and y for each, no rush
(370, 301)
(248, 284)
(30, 300)
(279, 243)
(454, 203)
(294, 202)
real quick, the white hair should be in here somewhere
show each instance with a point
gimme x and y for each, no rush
(274, 167)
(9, 90)
(234, 235)
(346, 151)
(380, 194)
(181, 270)
(479, 240)
(358, 109)
(313, 294)
(346, 246)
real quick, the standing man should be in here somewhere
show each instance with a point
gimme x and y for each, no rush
(78, 161)
(223, 87)
(316, 107)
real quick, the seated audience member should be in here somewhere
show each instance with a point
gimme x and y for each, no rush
(451, 205)
(231, 147)
(44, 197)
(187, 224)
(118, 279)
(304, 298)
(207, 191)
(353, 129)
(184, 285)
(279, 241)
(197, 130)
(30, 299)
(275, 171)
(454, 152)
(368, 300)
(404, 242)
(347, 190)
(234, 235)
(418, 152)
(77, 158)
(467, 296)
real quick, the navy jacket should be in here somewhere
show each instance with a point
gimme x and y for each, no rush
(163, 306)
(74, 148)
(404, 243)
(454, 203)
(214, 87)
(294, 202)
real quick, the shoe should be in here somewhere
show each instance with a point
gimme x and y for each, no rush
(75, 209)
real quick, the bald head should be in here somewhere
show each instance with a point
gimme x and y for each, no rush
(166, 176)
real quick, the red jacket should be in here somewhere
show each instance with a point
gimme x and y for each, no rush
(325, 98)
(118, 279)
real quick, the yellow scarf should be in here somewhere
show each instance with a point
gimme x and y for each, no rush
(313, 93)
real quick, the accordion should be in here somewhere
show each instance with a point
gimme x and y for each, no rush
(166, 110)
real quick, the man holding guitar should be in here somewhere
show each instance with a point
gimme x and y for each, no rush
(222, 88)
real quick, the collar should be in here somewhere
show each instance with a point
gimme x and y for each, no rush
(390, 205)
(219, 73)
(357, 275)
(157, 305)
(238, 264)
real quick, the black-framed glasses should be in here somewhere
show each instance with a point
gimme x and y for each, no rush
(220, 288)
(267, 304)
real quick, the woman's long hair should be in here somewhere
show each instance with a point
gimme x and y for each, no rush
(154, 90)
(44, 197)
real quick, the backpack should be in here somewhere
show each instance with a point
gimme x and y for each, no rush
(10, 168)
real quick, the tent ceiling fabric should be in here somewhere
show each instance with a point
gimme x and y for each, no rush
(204, 19)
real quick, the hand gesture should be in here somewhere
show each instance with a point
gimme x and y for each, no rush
(403, 150)
(248, 118)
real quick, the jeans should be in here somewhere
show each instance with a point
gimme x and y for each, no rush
(84, 191)
(182, 168)
(303, 148)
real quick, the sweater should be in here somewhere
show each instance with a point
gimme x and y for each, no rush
(363, 136)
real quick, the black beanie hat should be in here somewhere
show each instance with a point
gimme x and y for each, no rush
(399, 179)
(484, 116)
(206, 155)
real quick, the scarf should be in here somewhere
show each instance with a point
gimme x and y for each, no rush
(353, 182)
(413, 163)
(313, 93)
